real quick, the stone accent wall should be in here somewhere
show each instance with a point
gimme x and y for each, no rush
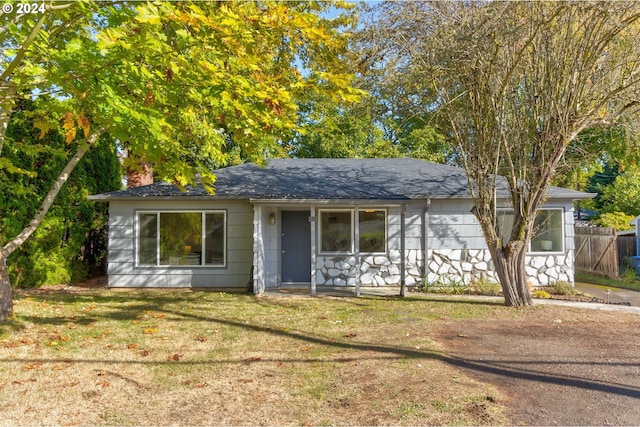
(336, 270)
(375, 270)
(545, 270)
(443, 266)
(447, 266)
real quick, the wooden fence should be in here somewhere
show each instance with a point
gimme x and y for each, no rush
(597, 251)
(626, 247)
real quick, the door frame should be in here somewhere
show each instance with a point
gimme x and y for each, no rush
(310, 249)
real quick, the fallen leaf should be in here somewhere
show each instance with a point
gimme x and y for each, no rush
(253, 359)
(144, 353)
(103, 383)
(305, 348)
(132, 346)
(34, 365)
(18, 382)
(158, 315)
(60, 367)
(201, 338)
(350, 335)
(175, 357)
(150, 330)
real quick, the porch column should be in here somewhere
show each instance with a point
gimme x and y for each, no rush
(403, 259)
(357, 246)
(312, 220)
(258, 251)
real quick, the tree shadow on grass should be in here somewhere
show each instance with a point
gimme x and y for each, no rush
(121, 309)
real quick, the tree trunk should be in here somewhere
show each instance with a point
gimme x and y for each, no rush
(509, 266)
(6, 294)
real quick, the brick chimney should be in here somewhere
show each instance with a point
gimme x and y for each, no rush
(142, 175)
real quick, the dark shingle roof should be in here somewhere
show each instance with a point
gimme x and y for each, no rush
(318, 179)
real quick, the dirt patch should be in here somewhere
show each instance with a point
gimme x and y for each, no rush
(557, 366)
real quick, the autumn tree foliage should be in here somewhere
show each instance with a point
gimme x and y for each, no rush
(512, 85)
(182, 86)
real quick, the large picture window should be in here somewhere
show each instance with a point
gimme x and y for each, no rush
(182, 238)
(548, 231)
(337, 231)
(548, 235)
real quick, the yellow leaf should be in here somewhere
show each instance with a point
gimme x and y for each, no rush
(69, 126)
(83, 122)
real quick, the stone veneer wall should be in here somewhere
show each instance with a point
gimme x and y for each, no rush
(375, 270)
(446, 266)
(443, 266)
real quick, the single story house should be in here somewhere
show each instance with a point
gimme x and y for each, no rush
(636, 221)
(321, 222)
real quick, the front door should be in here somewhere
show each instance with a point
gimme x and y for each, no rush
(296, 247)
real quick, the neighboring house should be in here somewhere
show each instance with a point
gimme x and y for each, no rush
(321, 222)
(635, 260)
(636, 221)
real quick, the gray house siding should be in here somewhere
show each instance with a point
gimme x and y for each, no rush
(122, 268)
(457, 251)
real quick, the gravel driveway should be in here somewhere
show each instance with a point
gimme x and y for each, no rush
(558, 365)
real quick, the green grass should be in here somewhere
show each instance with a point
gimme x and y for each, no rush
(135, 357)
(625, 282)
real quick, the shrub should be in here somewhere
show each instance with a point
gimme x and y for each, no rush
(541, 293)
(484, 286)
(451, 285)
(561, 288)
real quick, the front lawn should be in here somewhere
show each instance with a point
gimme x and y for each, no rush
(98, 357)
(627, 281)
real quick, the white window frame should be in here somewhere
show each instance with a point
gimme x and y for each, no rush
(386, 230)
(562, 224)
(203, 214)
(355, 240)
(351, 231)
(562, 233)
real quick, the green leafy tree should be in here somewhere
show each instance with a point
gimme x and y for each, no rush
(618, 220)
(180, 85)
(70, 244)
(623, 195)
